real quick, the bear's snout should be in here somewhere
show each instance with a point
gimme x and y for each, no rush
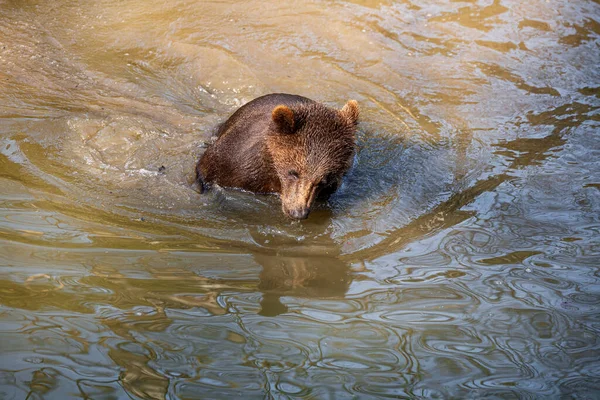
(297, 198)
(298, 213)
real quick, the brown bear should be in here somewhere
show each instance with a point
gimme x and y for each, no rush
(286, 144)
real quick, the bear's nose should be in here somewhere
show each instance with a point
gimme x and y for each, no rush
(299, 213)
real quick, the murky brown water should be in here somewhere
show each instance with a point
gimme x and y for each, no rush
(459, 260)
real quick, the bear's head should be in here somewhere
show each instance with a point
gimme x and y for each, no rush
(311, 147)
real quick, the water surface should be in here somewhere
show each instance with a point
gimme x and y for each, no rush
(458, 260)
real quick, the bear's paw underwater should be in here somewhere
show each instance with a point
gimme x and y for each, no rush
(286, 144)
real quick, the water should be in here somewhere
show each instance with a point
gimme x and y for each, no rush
(458, 260)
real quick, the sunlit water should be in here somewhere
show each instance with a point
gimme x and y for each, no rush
(460, 259)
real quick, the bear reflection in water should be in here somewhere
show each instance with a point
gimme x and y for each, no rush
(286, 144)
(300, 276)
(313, 268)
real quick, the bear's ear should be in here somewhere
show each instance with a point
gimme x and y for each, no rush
(284, 119)
(350, 112)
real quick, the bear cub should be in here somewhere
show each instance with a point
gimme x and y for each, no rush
(286, 144)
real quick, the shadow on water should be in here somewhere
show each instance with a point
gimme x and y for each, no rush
(522, 152)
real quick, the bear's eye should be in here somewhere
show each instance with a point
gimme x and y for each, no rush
(293, 174)
(327, 179)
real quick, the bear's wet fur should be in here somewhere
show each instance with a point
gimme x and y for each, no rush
(286, 144)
